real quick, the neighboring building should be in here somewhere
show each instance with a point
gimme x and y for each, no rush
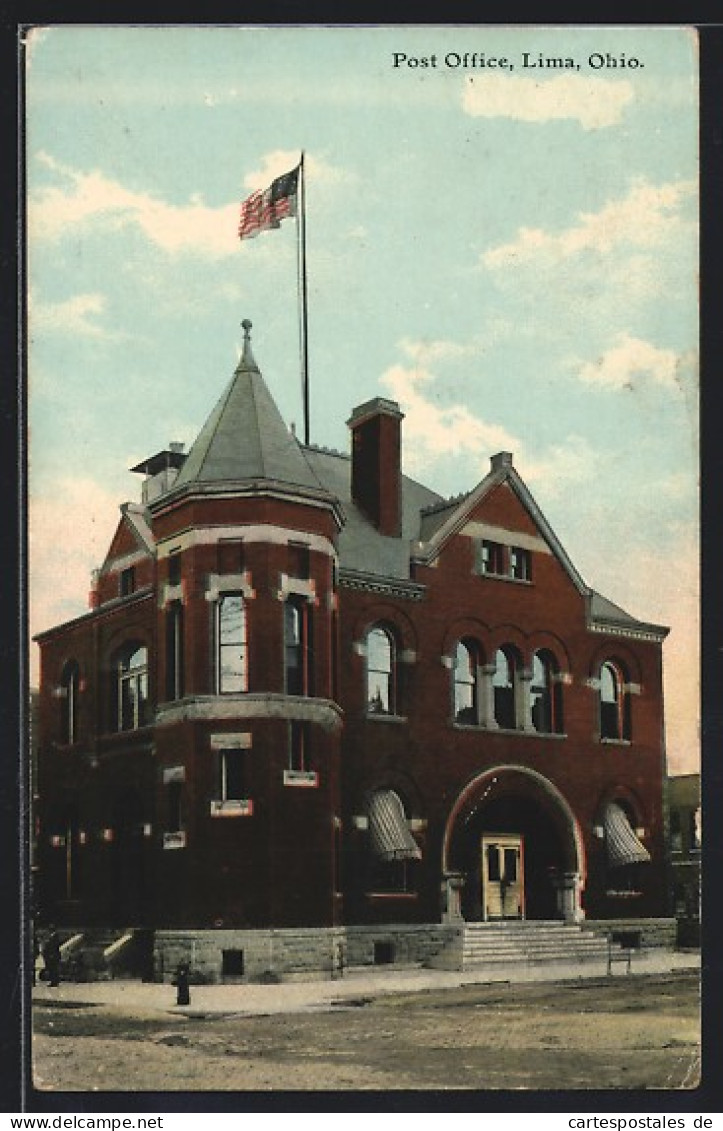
(685, 849)
(311, 693)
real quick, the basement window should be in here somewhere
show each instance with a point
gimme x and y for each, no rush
(383, 953)
(232, 963)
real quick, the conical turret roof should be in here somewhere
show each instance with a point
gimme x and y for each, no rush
(245, 437)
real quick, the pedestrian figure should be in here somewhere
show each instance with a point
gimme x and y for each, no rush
(182, 984)
(51, 957)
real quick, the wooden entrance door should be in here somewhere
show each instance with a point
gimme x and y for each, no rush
(503, 888)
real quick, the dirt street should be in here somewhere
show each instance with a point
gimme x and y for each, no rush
(633, 1033)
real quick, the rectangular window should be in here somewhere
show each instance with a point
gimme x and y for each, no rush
(492, 559)
(127, 581)
(174, 651)
(233, 775)
(390, 876)
(299, 747)
(298, 559)
(383, 953)
(232, 963)
(174, 568)
(231, 660)
(297, 647)
(175, 815)
(520, 564)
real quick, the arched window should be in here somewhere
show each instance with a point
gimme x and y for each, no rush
(466, 709)
(297, 646)
(69, 687)
(132, 708)
(231, 649)
(381, 690)
(504, 685)
(614, 703)
(545, 695)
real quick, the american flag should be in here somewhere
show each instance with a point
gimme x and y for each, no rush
(265, 210)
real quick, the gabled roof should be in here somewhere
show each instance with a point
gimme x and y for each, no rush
(137, 517)
(454, 518)
(245, 437)
(442, 521)
(133, 536)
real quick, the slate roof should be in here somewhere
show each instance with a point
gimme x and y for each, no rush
(604, 611)
(245, 437)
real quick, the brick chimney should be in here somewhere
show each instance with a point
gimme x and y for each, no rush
(376, 472)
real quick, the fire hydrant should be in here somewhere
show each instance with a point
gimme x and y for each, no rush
(182, 984)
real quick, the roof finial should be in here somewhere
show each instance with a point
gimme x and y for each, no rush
(247, 357)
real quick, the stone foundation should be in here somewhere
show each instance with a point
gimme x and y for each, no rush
(292, 954)
(651, 933)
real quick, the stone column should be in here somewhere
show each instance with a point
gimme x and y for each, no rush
(452, 884)
(569, 889)
(487, 696)
(523, 716)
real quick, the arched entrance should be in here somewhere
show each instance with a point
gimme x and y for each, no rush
(512, 849)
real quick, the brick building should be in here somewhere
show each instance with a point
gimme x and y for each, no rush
(314, 700)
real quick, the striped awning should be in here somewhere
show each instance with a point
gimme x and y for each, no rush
(623, 846)
(389, 833)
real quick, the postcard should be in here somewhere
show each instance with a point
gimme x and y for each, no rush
(363, 558)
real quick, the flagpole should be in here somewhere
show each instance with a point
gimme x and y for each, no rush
(304, 301)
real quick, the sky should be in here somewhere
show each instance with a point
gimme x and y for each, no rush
(506, 247)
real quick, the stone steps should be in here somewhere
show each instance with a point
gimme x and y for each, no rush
(99, 955)
(526, 942)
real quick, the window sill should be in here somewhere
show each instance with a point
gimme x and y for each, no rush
(305, 779)
(615, 742)
(232, 808)
(174, 840)
(391, 895)
(521, 733)
(505, 577)
(380, 718)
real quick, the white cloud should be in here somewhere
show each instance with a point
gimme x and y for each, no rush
(594, 102)
(631, 360)
(279, 161)
(429, 351)
(645, 218)
(561, 466)
(433, 431)
(76, 315)
(83, 199)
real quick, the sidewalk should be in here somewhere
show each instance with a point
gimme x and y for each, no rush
(249, 999)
